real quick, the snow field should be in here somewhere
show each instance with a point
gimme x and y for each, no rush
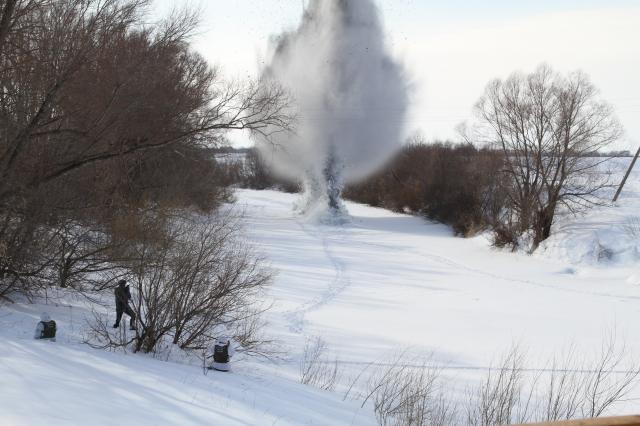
(372, 288)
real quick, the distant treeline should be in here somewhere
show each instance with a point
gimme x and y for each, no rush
(456, 184)
(445, 182)
(547, 137)
(453, 184)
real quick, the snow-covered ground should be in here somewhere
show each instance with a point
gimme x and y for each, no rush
(68, 383)
(370, 289)
(388, 281)
(606, 236)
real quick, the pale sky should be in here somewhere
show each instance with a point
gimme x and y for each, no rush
(453, 48)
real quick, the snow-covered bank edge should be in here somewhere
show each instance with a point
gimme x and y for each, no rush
(68, 383)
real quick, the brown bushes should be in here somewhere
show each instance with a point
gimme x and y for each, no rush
(453, 184)
(103, 115)
(256, 175)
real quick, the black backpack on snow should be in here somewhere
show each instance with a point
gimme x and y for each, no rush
(49, 329)
(221, 353)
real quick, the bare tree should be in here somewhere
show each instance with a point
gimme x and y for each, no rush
(78, 256)
(101, 113)
(193, 279)
(547, 125)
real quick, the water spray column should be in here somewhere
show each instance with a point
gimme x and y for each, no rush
(332, 173)
(351, 97)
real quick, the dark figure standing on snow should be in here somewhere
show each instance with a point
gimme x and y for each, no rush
(123, 295)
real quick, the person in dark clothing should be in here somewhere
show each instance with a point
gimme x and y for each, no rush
(123, 295)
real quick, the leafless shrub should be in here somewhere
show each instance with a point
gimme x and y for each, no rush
(609, 381)
(193, 279)
(571, 388)
(24, 256)
(453, 184)
(561, 396)
(199, 277)
(100, 334)
(316, 369)
(248, 331)
(506, 235)
(632, 227)
(83, 257)
(406, 394)
(255, 174)
(501, 399)
(353, 383)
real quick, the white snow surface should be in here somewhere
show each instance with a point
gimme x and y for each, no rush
(603, 236)
(68, 383)
(387, 281)
(370, 288)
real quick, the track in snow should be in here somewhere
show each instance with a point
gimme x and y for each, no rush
(340, 282)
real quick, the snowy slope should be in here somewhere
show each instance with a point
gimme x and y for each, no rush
(68, 383)
(606, 236)
(369, 288)
(387, 281)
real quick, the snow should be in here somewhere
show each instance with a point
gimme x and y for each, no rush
(388, 281)
(369, 288)
(604, 236)
(68, 383)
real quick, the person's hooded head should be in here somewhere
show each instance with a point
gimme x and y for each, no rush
(122, 283)
(44, 317)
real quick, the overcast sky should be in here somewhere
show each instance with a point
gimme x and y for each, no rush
(453, 48)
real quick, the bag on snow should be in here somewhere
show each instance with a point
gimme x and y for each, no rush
(48, 329)
(221, 356)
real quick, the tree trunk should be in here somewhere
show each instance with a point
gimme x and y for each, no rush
(544, 221)
(5, 22)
